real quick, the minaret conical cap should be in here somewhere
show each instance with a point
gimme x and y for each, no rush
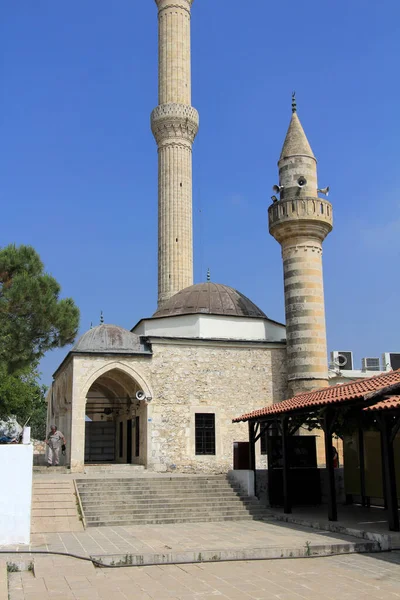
(296, 142)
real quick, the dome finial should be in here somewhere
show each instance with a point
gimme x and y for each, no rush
(101, 318)
(294, 103)
(208, 274)
(91, 324)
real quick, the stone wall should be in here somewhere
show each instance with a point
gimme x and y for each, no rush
(59, 400)
(184, 379)
(39, 452)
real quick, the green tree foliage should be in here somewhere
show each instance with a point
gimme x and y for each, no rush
(32, 317)
(22, 396)
(32, 320)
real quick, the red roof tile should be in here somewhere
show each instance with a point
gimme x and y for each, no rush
(362, 388)
(387, 404)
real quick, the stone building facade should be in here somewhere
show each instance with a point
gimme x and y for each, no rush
(175, 378)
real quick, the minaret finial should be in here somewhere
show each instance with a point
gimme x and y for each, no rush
(208, 274)
(294, 103)
(101, 318)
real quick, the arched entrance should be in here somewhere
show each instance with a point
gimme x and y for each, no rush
(115, 422)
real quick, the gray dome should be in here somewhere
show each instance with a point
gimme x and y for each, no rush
(212, 299)
(109, 339)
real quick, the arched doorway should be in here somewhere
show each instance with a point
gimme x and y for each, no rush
(115, 421)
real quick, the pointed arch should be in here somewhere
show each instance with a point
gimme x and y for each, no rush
(118, 366)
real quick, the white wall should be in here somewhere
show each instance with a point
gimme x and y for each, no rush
(240, 328)
(179, 326)
(16, 493)
(213, 327)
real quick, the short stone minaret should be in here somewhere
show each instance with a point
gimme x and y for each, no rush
(174, 124)
(299, 220)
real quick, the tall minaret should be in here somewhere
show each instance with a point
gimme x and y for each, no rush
(174, 124)
(300, 221)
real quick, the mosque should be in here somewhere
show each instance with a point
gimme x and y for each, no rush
(163, 395)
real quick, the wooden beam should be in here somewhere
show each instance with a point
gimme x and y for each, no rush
(252, 453)
(287, 500)
(252, 446)
(327, 425)
(263, 429)
(361, 458)
(390, 472)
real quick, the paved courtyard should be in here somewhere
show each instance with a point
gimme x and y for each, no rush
(354, 577)
(150, 540)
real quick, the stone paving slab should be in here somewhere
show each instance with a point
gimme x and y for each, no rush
(356, 577)
(369, 523)
(3, 580)
(191, 542)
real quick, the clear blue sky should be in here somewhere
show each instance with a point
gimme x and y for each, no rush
(78, 174)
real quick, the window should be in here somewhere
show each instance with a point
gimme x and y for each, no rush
(205, 433)
(121, 439)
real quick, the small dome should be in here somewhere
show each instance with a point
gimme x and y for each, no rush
(109, 339)
(211, 299)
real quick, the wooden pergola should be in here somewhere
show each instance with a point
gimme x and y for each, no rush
(361, 403)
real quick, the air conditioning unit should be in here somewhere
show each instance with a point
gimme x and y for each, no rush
(371, 364)
(342, 359)
(390, 361)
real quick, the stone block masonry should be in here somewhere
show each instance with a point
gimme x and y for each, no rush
(186, 378)
(174, 123)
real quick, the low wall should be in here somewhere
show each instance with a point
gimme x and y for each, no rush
(16, 493)
(39, 453)
(244, 479)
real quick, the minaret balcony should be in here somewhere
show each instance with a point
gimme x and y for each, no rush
(311, 213)
(174, 121)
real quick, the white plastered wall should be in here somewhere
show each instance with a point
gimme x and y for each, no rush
(16, 461)
(212, 327)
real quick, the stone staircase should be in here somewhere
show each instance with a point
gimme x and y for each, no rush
(54, 507)
(164, 500)
(114, 469)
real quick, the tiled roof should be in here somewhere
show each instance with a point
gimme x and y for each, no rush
(387, 404)
(362, 388)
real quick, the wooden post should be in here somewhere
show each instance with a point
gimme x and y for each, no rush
(287, 500)
(384, 484)
(390, 473)
(252, 451)
(328, 426)
(361, 458)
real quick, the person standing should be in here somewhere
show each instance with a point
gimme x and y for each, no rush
(55, 440)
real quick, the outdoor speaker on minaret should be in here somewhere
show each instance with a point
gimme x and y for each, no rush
(300, 220)
(174, 123)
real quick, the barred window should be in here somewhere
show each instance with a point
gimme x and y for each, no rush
(205, 433)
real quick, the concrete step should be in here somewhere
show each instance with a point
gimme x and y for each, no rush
(140, 482)
(107, 485)
(156, 492)
(51, 470)
(129, 493)
(216, 501)
(114, 468)
(155, 521)
(159, 478)
(54, 507)
(116, 516)
(164, 500)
